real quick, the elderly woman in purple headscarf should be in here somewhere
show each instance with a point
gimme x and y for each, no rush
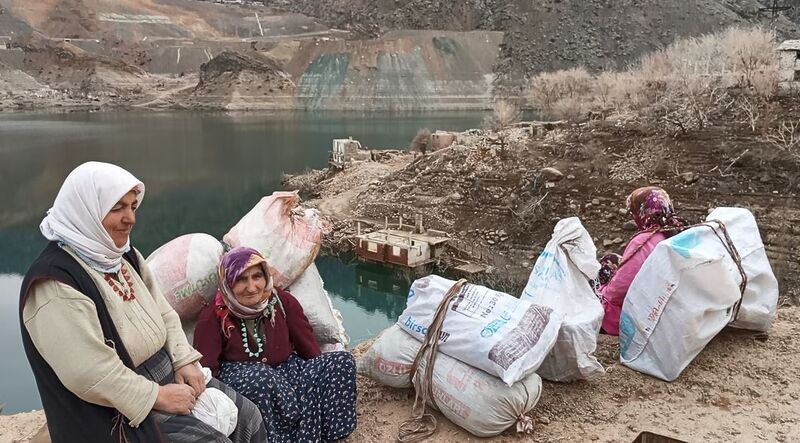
(256, 338)
(655, 219)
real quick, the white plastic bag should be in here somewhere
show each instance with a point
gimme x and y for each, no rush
(560, 280)
(760, 301)
(388, 361)
(216, 409)
(326, 321)
(490, 330)
(288, 235)
(472, 399)
(687, 291)
(185, 270)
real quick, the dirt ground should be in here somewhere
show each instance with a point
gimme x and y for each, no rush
(742, 388)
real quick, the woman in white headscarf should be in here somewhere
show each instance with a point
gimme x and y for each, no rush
(109, 355)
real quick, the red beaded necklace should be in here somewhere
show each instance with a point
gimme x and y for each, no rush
(126, 293)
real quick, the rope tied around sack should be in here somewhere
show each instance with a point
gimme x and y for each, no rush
(421, 425)
(727, 243)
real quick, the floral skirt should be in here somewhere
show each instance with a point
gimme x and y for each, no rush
(300, 400)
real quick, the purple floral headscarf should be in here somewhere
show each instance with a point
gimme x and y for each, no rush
(232, 265)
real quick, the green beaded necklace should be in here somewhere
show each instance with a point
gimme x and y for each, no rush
(256, 336)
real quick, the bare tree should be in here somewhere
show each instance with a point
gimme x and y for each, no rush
(752, 56)
(752, 112)
(421, 141)
(548, 88)
(503, 115)
(786, 137)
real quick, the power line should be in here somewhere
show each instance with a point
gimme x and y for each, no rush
(775, 8)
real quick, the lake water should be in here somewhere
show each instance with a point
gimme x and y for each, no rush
(202, 172)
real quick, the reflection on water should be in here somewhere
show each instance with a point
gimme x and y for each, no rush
(17, 388)
(202, 173)
(373, 303)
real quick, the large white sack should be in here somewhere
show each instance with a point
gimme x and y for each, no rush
(490, 330)
(326, 321)
(388, 361)
(185, 270)
(472, 399)
(760, 301)
(687, 291)
(288, 235)
(560, 280)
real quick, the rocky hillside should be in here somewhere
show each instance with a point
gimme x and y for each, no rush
(345, 54)
(551, 34)
(237, 81)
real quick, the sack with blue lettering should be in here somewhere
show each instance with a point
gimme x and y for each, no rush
(689, 289)
(478, 402)
(560, 280)
(490, 330)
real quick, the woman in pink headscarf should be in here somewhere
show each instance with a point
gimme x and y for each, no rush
(652, 211)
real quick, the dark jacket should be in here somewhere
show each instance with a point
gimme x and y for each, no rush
(70, 419)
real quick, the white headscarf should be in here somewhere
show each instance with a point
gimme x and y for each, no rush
(76, 218)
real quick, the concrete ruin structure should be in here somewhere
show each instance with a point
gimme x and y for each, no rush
(789, 52)
(442, 139)
(345, 150)
(401, 246)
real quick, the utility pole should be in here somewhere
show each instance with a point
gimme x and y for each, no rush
(775, 8)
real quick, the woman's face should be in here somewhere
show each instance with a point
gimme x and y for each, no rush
(252, 286)
(120, 219)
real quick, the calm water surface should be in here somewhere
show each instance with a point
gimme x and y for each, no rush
(202, 172)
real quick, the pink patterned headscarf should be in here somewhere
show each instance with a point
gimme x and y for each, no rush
(651, 209)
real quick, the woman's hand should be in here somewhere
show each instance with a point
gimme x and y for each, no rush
(191, 376)
(175, 398)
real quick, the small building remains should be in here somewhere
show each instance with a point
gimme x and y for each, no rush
(345, 150)
(789, 53)
(442, 139)
(401, 247)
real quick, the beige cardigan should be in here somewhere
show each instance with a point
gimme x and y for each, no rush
(63, 326)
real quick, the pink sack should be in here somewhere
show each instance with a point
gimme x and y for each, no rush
(288, 235)
(185, 270)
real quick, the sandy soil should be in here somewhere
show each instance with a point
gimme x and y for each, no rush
(742, 388)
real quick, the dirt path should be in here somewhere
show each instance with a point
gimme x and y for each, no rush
(161, 98)
(338, 206)
(338, 194)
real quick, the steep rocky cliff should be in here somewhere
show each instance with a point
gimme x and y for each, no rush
(401, 70)
(372, 54)
(552, 34)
